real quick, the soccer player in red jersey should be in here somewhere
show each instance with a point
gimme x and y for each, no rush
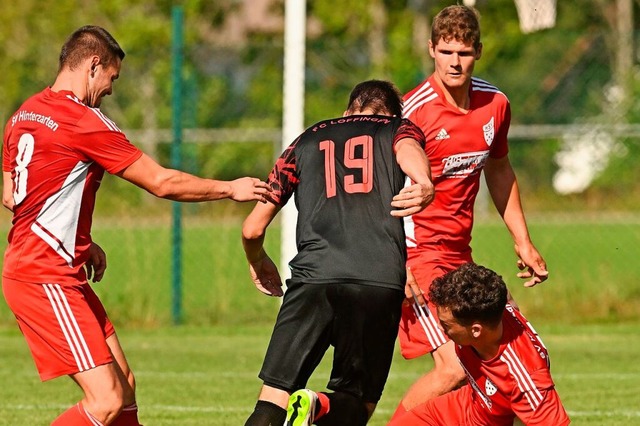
(465, 121)
(56, 148)
(505, 362)
(348, 277)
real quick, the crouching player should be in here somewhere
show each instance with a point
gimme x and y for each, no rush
(506, 364)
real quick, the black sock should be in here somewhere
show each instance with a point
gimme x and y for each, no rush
(346, 409)
(267, 414)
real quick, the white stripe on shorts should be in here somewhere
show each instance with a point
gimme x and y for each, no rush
(430, 326)
(69, 327)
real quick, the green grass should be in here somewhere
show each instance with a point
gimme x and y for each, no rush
(593, 270)
(207, 375)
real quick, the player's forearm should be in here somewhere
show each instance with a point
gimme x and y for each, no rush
(516, 223)
(506, 198)
(253, 244)
(413, 161)
(505, 193)
(254, 230)
(179, 186)
(174, 184)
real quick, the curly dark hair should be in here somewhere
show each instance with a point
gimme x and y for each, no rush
(472, 293)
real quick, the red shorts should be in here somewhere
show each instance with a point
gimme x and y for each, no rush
(461, 408)
(419, 332)
(65, 326)
(453, 408)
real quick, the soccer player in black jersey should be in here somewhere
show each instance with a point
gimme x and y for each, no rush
(347, 177)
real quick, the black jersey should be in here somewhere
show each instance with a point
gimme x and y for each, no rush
(344, 175)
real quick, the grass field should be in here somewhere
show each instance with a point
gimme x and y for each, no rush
(204, 373)
(593, 271)
(191, 376)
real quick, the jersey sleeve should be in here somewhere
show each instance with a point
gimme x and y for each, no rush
(500, 146)
(408, 129)
(549, 412)
(111, 150)
(283, 178)
(103, 142)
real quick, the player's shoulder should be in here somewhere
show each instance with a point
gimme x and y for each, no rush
(86, 118)
(94, 118)
(421, 96)
(480, 87)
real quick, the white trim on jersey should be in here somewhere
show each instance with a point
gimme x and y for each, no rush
(423, 95)
(111, 125)
(53, 242)
(69, 326)
(106, 120)
(57, 222)
(479, 85)
(430, 326)
(522, 377)
(76, 100)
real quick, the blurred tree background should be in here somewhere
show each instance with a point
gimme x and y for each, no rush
(573, 89)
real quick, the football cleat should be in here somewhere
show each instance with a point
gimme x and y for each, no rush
(302, 408)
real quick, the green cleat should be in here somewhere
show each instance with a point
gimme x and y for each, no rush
(302, 407)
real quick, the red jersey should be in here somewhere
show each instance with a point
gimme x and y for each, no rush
(57, 150)
(516, 381)
(458, 144)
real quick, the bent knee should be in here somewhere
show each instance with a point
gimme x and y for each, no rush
(107, 407)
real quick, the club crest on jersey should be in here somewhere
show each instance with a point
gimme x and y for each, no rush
(489, 131)
(490, 388)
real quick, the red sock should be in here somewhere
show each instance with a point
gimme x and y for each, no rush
(323, 400)
(76, 416)
(128, 416)
(399, 411)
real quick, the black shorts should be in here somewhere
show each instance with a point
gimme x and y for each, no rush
(359, 321)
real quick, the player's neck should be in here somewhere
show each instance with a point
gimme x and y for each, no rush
(69, 81)
(458, 97)
(488, 346)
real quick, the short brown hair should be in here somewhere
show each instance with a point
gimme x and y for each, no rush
(457, 22)
(382, 97)
(87, 41)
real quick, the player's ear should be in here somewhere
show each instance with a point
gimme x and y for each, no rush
(476, 330)
(95, 61)
(479, 51)
(431, 49)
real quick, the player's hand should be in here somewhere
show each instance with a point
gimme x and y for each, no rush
(96, 264)
(532, 265)
(266, 277)
(249, 189)
(412, 290)
(412, 199)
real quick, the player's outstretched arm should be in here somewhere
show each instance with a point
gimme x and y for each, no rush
(180, 186)
(264, 272)
(413, 161)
